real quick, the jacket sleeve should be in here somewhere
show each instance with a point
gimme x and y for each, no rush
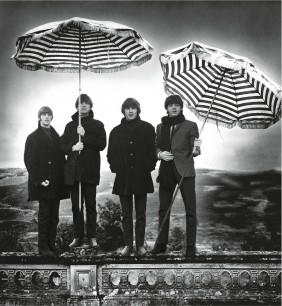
(66, 143)
(157, 140)
(111, 154)
(194, 134)
(95, 140)
(32, 162)
(151, 155)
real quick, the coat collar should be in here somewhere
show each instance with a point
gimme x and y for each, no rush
(86, 119)
(42, 134)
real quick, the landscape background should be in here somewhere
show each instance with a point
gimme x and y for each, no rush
(237, 211)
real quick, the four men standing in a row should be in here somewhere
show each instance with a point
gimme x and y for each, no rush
(133, 151)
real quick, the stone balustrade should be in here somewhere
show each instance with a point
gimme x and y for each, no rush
(247, 278)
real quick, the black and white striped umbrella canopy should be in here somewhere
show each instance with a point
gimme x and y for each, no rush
(221, 87)
(97, 46)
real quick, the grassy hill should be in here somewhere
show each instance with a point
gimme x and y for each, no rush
(236, 210)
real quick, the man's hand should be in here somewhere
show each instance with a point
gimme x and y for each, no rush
(80, 130)
(45, 183)
(165, 155)
(78, 146)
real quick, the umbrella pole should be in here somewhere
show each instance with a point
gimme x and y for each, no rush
(79, 114)
(188, 163)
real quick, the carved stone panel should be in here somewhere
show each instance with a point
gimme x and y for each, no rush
(190, 280)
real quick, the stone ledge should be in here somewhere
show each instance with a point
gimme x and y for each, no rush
(203, 257)
(247, 278)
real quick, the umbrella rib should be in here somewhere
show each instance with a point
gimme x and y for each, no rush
(212, 101)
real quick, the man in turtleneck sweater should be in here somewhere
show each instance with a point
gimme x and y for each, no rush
(131, 156)
(174, 145)
(45, 166)
(83, 165)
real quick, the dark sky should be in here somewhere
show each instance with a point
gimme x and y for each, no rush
(248, 28)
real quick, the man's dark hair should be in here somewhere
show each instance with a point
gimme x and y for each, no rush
(84, 98)
(131, 102)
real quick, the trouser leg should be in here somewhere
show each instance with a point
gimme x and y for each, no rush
(89, 191)
(188, 193)
(140, 208)
(78, 215)
(54, 221)
(126, 202)
(165, 197)
(44, 217)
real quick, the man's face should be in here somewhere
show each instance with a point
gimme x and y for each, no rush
(45, 120)
(173, 110)
(84, 108)
(130, 113)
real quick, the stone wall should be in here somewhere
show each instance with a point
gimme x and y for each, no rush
(250, 278)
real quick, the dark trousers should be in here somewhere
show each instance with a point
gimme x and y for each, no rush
(48, 220)
(126, 202)
(88, 196)
(188, 193)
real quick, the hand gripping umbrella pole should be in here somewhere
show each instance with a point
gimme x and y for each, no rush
(188, 164)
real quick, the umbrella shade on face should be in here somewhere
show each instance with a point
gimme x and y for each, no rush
(221, 87)
(78, 43)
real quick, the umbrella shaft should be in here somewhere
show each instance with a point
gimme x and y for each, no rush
(201, 130)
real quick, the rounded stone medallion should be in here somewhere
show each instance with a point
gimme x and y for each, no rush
(263, 279)
(133, 278)
(3, 279)
(226, 279)
(169, 278)
(36, 279)
(206, 279)
(188, 278)
(55, 280)
(244, 279)
(20, 279)
(151, 278)
(115, 278)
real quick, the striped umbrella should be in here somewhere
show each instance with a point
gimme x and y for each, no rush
(78, 43)
(221, 87)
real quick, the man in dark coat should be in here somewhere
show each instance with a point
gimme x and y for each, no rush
(83, 165)
(174, 145)
(45, 165)
(131, 156)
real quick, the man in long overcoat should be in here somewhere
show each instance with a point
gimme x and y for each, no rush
(45, 165)
(131, 156)
(175, 141)
(83, 165)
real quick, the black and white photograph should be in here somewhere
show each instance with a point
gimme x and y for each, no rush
(140, 154)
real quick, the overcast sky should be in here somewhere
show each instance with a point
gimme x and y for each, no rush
(248, 28)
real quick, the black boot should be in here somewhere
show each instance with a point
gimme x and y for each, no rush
(190, 251)
(45, 251)
(55, 250)
(76, 243)
(159, 249)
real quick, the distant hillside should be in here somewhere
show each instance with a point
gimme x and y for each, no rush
(236, 210)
